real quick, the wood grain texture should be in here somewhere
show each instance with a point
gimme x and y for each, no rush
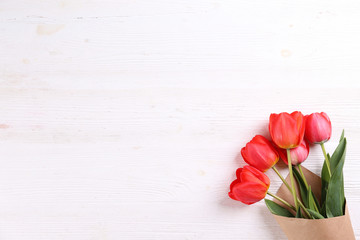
(123, 119)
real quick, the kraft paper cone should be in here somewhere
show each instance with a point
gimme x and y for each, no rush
(305, 229)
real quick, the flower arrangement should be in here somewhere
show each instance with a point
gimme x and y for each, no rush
(303, 196)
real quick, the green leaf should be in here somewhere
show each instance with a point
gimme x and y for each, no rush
(338, 153)
(302, 187)
(325, 177)
(315, 215)
(311, 202)
(323, 210)
(298, 213)
(335, 197)
(277, 209)
(315, 200)
(342, 135)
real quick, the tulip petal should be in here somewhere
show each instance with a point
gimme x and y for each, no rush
(238, 172)
(252, 174)
(249, 192)
(234, 183)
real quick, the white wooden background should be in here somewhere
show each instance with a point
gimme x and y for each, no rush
(121, 119)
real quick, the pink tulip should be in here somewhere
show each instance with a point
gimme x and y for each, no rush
(298, 154)
(317, 127)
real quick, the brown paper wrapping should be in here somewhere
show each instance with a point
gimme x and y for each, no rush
(310, 229)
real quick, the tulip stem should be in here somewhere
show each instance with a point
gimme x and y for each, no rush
(306, 184)
(281, 200)
(288, 187)
(303, 176)
(292, 178)
(281, 177)
(326, 157)
(305, 210)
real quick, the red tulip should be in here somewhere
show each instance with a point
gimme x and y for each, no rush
(260, 153)
(287, 130)
(317, 127)
(250, 186)
(298, 154)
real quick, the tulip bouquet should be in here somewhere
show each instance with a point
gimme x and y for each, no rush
(304, 200)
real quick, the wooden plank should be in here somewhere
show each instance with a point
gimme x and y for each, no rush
(122, 119)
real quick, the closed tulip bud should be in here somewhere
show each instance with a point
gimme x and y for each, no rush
(250, 186)
(317, 127)
(287, 130)
(298, 154)
(260, 153)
